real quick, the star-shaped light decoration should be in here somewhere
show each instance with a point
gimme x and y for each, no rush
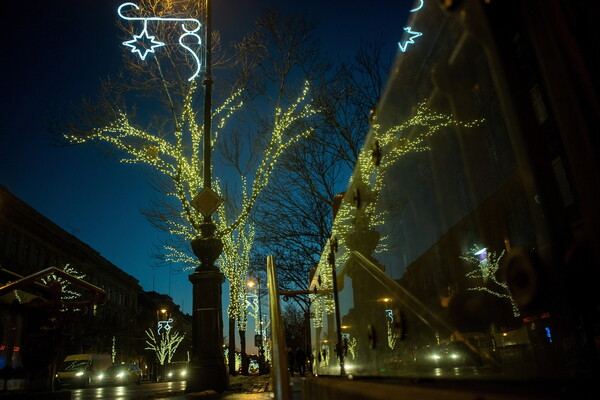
(410, 40)
(143, 43)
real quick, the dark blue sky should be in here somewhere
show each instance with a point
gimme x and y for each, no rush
(56, 52)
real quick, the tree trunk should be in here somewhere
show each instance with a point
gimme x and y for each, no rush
(231, 354)
(245, 360)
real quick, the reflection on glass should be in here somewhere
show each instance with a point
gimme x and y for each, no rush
(441, 234)
(486, 275)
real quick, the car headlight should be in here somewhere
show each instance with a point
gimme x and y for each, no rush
(183, 373)
(170, 374)
(100, 377)
(79, 373)
(120, 375)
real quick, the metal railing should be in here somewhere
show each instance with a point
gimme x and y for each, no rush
(280, 375)
(96, 295)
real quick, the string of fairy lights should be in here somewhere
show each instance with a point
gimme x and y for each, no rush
(235, 261)
(164, 345)
(177, 155)
(68, 291)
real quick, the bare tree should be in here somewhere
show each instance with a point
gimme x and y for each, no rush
(164, 345)
(272, 64)
(295, 327)
(171, 137)
(295, 215)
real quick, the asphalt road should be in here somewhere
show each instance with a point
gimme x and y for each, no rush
(147, 390)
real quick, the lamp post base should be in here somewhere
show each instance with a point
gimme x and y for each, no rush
(207, 366)
(206, 374)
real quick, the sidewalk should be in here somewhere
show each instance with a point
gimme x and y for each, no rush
(245, 388)
(240, 388)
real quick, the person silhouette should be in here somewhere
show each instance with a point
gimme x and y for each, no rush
(300, 358)
(291, 361)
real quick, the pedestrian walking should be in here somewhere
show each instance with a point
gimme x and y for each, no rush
(300, 357)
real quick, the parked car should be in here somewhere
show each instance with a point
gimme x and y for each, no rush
(122, 374)
(176, 371)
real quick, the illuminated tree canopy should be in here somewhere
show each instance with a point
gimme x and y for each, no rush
(166, 134)
(485, 272)
(179, 157)
(164, 345)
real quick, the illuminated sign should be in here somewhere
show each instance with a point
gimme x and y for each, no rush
(414, 35)
(417, 8)
(390, 315)
(481, 254)
(166, 325)
(408, 29)
(145, 43)
(141, 42)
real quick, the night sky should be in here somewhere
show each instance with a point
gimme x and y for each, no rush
(55, 52)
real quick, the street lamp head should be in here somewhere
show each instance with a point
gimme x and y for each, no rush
(251, 283)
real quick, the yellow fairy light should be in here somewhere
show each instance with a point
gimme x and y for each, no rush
(68, 290)
(178, 156)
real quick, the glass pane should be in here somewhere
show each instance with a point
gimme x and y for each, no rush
(442, 245)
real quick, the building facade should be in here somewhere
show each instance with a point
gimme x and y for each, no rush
(29, 243)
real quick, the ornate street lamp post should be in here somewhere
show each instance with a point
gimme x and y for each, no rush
(207, 366)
